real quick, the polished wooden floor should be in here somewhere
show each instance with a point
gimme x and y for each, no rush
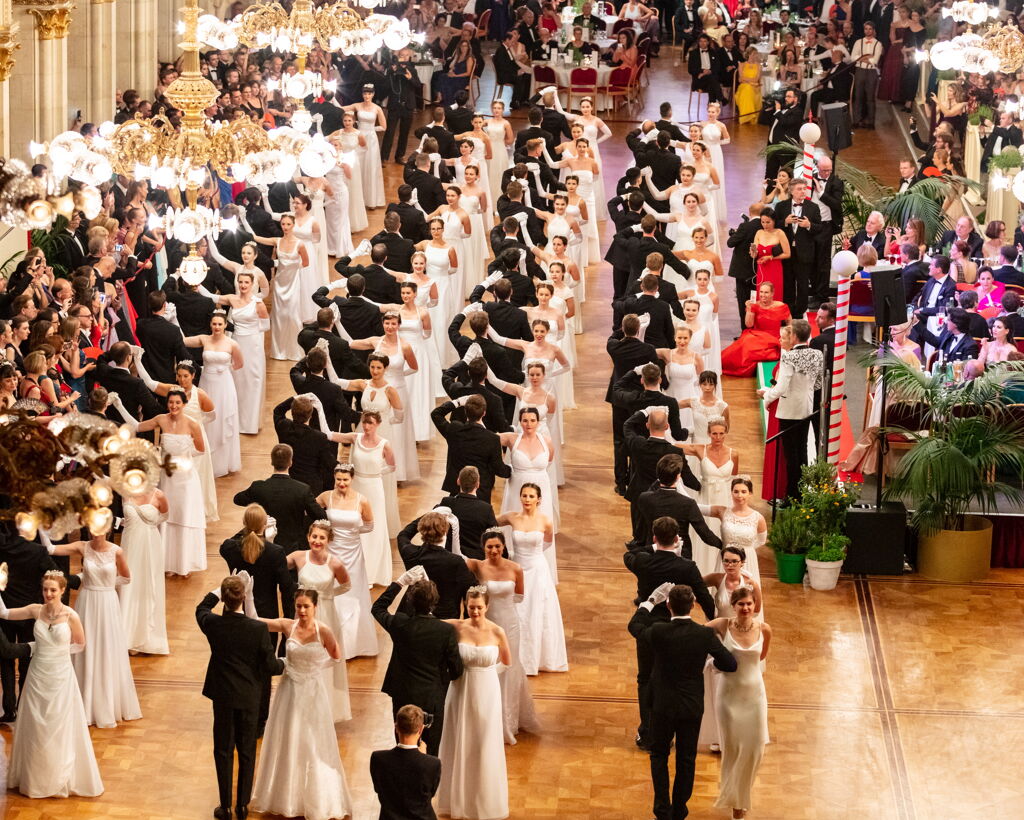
(888, 698)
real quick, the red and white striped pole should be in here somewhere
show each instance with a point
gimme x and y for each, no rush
(809, 135)
(844, 264)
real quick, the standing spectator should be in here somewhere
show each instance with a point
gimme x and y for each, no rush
(866, 56)
(404, 89)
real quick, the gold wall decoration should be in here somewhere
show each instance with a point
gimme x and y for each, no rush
(8, 45)
(53, 17)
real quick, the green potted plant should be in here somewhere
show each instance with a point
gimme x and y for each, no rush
(789, 538)
(825, 560)
(950, 477)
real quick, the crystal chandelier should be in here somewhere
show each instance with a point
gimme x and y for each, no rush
(970, 12)
(1000, 48)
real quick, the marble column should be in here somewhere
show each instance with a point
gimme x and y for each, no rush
(91, 85)
(137, 24)
(8, 45)
(39, 109)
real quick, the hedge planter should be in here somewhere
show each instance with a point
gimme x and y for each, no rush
(790, 567)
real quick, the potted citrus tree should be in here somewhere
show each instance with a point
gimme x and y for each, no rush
(950, 477)
(825, 501)
(825, 561)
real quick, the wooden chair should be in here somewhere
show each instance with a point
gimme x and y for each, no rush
(483, 24)
(608, 7)
(619, 85)
(544, 75)
(862, 306)
(619, 25)
(582, 83)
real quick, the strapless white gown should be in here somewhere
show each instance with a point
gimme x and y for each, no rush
(184, 533)
(536, 470)
(517, 708)
(315, 274)
(353, 157)
(202, 463)
(142, 601)
(346, 545)
(499, 161)
(542, 647)
(223, 431)
(421, 384)
(373, 174)
(330, 610)
(251, 379)
(289, 297)
(336, 215)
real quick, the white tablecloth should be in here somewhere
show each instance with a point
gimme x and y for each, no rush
(425, 71)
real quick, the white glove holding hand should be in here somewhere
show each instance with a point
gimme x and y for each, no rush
(639, 369)
(473, 352)
(645, 319)
(660, 595)
(474, 307)
(248, 606)
(493, 279)
(270, 531)
(461, 400)
(362, 248)
(412, 575)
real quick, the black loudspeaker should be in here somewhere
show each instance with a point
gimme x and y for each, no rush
(878, 539)
(889, 297)
(838, 128)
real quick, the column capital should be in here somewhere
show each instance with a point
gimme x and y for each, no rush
(53, 17)
(8, 45)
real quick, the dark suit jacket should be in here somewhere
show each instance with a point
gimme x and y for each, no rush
(446, 146)
(193, 310)
(912, 273)
(638, 246)
(714, 60)
(460, 118)
(680, 648)
(429, 190)
(495, 354)
(953, 349)
(826, 343)
(26, 562)
(346, 363)
(667, 293)
(832, 196)
(551, 121)
(456, 383)
(447, 570)
(163, 347)
(405, 781)
(1010, 136)
(627, 353)
(664, 163)
(532, 132)
(313, 454)
(659, 501)
(653, 568)
(381, 286)
(660, 332)
(974, 241)
(506, 69)
(946, 294)
(469, 445)
(741, 266)
(507, 207)
(241, 656)
(1008, 275)
(414, 224)
(644, 454)
(269, 574)
(877, 241)
(801, 240)
(359, 318)
(475, 516)
(400, 251)
(289, 501)
(335, 401)
(138, 401)
(786, 124)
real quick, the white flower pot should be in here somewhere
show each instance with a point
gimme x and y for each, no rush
(823, 574)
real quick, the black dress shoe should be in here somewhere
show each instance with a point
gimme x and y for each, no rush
(8, 717)
(399, 160)
(241, 812)
(222, 812)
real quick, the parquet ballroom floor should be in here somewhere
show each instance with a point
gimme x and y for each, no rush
(884, 695)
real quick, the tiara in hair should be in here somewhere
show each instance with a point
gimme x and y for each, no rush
(322, 522)
(478, 589)
(220, 312)
(717, 420)
(346, 465)
(188, 362)
(53, 573)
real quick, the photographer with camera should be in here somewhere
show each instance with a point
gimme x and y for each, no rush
(740, 267)
(404, 90)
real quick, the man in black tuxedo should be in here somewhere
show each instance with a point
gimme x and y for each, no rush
(666, 290)
(310, 376)
(704, 67)
(280, 195)
(289, 502)
(645, 444)
(627, 352)
(425, 650)
(639, 390)
(447, 570)
(1004, 134)
(510, 72)
(938, 292)
(786, 122)
(509, 234)
(313, 454)
(470, 379)
(112, 373)
(652, 568)
(660, 330)
(446, 146)
(475, 516)
(688, 24)
(741, 266)
(648, 240)
(404, 779)
(496, 355)
(429, 189)
(827, 194)
(873, 232)
(533, 131)
(1007, 272)
(915, 272)
(360, 318)
(469, 444)
(532, 157)
(662, 499)
(193, 311)
(404, 92)
(506, 268)
(964, 231)
(380, 286)
(162, 343)
(73, 245)
(619, 253)
(412, 224)
(660, 157)
(825, 341)
(241, 658)
(345, 362)
(505, 312)
(512, 203)
(801, 220)
(27, 562)
(551, 119)
(680, 648)
(954, 343)
(398, 249)
(459, 115)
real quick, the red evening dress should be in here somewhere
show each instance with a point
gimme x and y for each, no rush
(757, 344)
(770, 271)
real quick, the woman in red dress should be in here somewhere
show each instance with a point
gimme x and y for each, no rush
(760, 341)
(769, 248)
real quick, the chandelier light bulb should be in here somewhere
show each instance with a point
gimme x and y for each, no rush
(102, 493)
(27, 524)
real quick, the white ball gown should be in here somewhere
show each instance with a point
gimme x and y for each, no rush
(358, 626)
(336, 215)
(314, 274)
(52, 754)
(742, 532)
(448, 303)
(715, 490)
(369, 482)
(474, 781)
(499, 161)
(475, 267)
(455, 237)
(542, 646)
(223, 432)
(703, 179)
(289, 298)
(682, 384)
(400, 434)
(321, 578)
(353, 158)
(709, 318)
(103, 671)
(300, 769)
(517, 711)
(251, 379)
(202, 463)
(549, 426)
(741, 708)
(373, 174)
(422, 383)
(712, 136)
(184, 533)
(143, 615)
(587, 190)
(536, 470)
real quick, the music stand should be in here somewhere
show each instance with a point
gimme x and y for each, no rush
(890, 301)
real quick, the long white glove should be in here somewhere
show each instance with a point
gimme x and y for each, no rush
(321, 417)
(660, 594)
(249, 605)
(118, 405)
(3, 606)
(412, 575)
(270, 531)
(453, 524)
(461, 400)
(473, 352)
(494, 380)
(493, 279)
(474, 307)
(140, 368)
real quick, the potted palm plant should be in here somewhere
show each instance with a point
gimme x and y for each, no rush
(950, 477)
